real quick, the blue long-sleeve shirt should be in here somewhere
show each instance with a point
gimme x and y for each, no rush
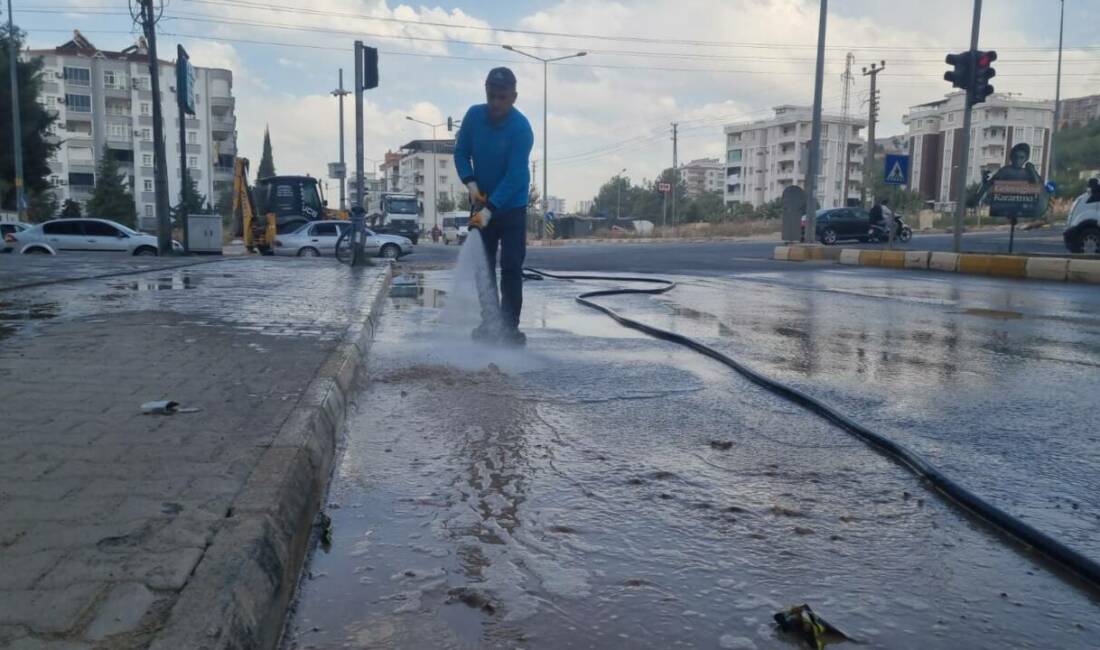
(496, 156)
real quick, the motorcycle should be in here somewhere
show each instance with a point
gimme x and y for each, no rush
(902, 232)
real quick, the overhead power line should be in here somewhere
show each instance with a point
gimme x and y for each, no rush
(267, 7)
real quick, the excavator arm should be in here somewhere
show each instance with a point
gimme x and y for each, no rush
(257, 231)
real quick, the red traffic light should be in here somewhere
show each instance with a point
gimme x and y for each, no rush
(986, 59)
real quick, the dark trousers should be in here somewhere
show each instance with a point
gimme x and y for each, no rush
(507, 232)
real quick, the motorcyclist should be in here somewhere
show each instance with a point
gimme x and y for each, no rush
(1094, 191)
(881, 215)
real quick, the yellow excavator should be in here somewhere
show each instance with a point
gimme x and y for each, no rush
(277, 205)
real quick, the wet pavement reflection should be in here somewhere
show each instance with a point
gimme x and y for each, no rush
(604, 490)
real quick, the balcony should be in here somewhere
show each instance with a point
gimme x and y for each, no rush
(116, 92)
(190, 123)
(223, 172)
(786, 154)
(226, 123)
(79, 140)
(222, 102)
(225, 148)
(118, 142)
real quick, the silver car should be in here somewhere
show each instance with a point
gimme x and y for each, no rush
(90, 235)
(318, 238)
(11, 228)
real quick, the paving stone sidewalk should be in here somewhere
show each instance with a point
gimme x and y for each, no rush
(108, 513)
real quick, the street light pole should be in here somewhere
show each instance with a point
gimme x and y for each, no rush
(16, 126)
(619, 201)
(814, 166)
(545, 122)
(1057, 93)
(339, 93)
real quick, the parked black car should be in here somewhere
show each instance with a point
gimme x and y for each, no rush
(836, 224)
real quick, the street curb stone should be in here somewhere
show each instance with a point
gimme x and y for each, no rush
(1003, 266)
(240, 591)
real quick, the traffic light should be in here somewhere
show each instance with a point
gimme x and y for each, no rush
(960, 76)
(370, 68)
(450, 123)
(983, 72)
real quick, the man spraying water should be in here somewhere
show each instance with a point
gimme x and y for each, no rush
(492, 154)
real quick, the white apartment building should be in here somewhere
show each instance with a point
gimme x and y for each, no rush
(555, 204)
(703, 175)
(765, 157)
(585, 206)
(104, 106)
(935, 137)
(426, 168)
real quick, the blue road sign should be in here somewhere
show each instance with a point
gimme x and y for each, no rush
(897, 170)
(549, 216)
(1051, 187)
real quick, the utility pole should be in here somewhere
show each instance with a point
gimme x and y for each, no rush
(340, 93)
(619, 198)
(1049, 171)
(814, 166)
(964, 155)
(185, 181)
(16, 125)
(872, 118)
(845, 130)
(160, 160)
(675, 171)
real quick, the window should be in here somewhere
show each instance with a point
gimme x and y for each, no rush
(81, 179)
(55, 180)
(147, 134)
(192, 137)
(192, 162)
(118, 131)
(78, 76)
(100, 229)
(147, 159)
(141, 83)
(63, 227)
(114, 79)
(148, 210)
(443, 180)
(733, 156)
(147, 185)
(324, 230)
(78, 103)
(144, 106)
(950, 118)
(443, 164)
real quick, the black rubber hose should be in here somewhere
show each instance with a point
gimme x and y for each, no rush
(1026, 535)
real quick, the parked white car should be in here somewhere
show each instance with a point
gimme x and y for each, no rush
(11, 228)
(318, 238)
(88, 235)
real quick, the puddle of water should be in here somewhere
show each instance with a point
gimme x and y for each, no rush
(14, 311)
(414, 286)
(175, 282)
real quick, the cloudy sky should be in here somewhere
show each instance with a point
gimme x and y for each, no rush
(702, 63)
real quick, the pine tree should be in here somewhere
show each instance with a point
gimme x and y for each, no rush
(110, 197)
(267, 163)
(70, 210)
(191, 200)
(35, 121)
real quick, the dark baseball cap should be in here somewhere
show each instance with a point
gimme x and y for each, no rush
(501, 78)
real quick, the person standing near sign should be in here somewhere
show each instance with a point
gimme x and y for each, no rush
(492, 153)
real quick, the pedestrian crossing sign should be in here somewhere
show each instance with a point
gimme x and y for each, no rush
(896, 171)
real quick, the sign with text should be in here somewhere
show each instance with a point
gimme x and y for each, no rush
(337, 170)
(664, 187)
(1014, 198)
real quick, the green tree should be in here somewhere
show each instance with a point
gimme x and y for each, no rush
(741, 211)
(110, 198)
(1076, 149)
(42, 206)
(770, 210)
(446, 203)
(267, 163)
(708, 206)
(35, 122)
(463, 202)
(900, 198)
(71, 209)
(192, 202)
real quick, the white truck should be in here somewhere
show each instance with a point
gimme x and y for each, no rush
(395, 214)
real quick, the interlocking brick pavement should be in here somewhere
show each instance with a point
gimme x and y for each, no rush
(107, 512)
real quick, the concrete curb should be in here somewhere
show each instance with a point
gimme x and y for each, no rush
(1003, 266)
(240, 591)
(557, 243)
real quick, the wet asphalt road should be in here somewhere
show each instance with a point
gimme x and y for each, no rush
(723, 256)
(605, 490)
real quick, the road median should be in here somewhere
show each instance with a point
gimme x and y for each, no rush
(1056, 269)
